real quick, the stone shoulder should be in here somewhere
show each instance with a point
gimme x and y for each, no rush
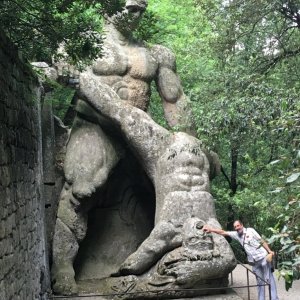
(164, 56)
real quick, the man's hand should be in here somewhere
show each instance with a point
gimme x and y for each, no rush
(206, 228)
(266, 246)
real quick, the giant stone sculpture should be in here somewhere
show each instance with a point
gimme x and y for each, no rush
(177, 253)
(114, 92)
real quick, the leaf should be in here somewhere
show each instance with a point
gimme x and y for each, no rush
(277, 190)
(292, 202)
(274, 162)
(292, 178)
(288, 282)
(293, 248)
(296, 262)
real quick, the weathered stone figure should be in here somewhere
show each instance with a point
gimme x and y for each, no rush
(179, 169)
(127, 68)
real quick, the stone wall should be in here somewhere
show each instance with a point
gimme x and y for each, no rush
(23, 262)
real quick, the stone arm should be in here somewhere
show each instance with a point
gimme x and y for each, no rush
(176, 104)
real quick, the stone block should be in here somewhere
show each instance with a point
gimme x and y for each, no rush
(7, 264)
(2, 111)
(5, 176)
(2, 288)
(2, 251)
(2, 229)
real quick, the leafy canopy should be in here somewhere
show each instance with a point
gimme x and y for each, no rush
(39, 27)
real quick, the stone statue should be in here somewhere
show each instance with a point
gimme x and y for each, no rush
(127, 67)
(177, 253)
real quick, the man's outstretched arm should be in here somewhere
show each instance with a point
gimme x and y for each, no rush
(208, 229)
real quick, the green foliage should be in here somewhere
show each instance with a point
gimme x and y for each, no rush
(183, 28)
(266, 32)
(110, 7)
(286, 234)
(155, 109)
(60, 98)
(238, 251)
(150, 28)
(38, 27)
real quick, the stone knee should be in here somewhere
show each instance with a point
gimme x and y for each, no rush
(70, 228)
(65, 246)
(72, 213)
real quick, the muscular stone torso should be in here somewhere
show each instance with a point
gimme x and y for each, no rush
(128, 70)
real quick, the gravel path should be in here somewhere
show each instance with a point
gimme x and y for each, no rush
(239, 276)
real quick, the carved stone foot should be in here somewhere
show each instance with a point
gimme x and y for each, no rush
(130, 267)
(64, 282)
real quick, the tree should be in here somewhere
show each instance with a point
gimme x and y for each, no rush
(39, 27)
(248, 111)
(286, 233)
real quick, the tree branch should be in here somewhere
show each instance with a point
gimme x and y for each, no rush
(226, 176)
(269, 65)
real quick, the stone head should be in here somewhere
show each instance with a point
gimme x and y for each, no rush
(128, 19)
(194, 238)
(140, 4)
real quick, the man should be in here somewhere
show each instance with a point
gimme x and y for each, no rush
(257, 250)
(127, 67)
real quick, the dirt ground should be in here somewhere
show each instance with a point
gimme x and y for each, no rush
(239, 276)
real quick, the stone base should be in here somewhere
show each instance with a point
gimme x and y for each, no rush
(132, 287)
(230, 295)
(93, 289)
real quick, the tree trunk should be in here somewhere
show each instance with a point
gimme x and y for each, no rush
(234, 161)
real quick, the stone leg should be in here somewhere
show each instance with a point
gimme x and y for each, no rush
(163, 238)
(70, 229)
(89, 160)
